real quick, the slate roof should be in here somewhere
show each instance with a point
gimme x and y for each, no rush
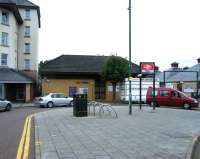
(19, 3)
(24, 3)
(8, 75)
(13, 5)
(168, 75)
(77, 64)
(187, 76)
(7, 1)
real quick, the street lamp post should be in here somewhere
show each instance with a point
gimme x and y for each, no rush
(130, 64)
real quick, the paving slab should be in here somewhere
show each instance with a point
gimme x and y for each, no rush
(146, 134)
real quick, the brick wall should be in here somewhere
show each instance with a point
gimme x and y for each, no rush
(63, 85)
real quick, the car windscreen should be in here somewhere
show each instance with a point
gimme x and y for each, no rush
(183, 95)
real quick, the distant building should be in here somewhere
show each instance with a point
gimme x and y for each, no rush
(163, 77)
(19, 26)
(70, 74)
(189, 80)
(186, 79)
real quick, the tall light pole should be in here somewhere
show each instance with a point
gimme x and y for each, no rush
(130, 63)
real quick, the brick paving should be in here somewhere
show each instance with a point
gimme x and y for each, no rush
(163, 134)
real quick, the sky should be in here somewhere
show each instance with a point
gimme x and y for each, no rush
(163, 31)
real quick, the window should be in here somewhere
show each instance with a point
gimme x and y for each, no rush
(5, 18)
(27, 48)
(151, 92)
(62, 96)
(175, 94)
(59, 95)
(27, 14)
(4, 59)
(72, 91)
(4, 39)
(53, 96)
(164, 93)
(83, 90)
(27, 64)
(27, 31)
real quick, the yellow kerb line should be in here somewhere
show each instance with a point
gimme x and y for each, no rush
(23, 148)
(21, 144)
(27, 143)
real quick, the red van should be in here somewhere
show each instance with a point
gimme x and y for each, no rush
(170, 97)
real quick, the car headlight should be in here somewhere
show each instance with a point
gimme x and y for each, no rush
(195, 101)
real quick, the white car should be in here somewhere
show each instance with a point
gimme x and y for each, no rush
(5, 105)
(54, 99)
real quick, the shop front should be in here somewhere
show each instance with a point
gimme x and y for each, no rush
(15, 86)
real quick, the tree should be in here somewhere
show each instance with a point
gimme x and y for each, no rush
(39, 89)
(40, 65)
(115, 69)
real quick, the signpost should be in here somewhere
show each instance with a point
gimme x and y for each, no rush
(147, 69)
(130, 63)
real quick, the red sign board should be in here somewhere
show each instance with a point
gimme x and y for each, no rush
(147, 68)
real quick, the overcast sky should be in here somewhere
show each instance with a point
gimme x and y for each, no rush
(163, 31)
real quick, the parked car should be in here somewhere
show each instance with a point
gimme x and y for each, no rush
(170, 97)
(54, 99)
(5, 105)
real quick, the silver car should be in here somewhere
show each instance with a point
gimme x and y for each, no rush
(53, 99)
(5, 105)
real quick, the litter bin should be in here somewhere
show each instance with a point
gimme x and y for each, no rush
(80, 105)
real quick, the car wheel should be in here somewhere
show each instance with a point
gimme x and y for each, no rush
(186, 106)
(50, 105)
(8, 107)
(71, 104)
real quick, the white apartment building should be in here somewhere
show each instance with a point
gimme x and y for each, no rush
(19, 27)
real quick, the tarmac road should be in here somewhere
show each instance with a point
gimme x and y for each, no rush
(11, 127)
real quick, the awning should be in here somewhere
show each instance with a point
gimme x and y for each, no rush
(8, 75)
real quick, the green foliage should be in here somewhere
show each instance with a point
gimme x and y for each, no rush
(40, 65)
(115, 69)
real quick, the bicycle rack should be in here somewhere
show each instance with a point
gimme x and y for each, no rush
(94, 105)
(110, 110)
(103, 109)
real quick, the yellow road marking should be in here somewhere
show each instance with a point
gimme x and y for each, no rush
(21, 144)
(23, 148)
(27, 143)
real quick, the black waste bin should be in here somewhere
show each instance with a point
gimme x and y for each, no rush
(80, 105)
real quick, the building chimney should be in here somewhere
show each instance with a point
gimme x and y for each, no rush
(198, 60)
(174, 65)
(185, 68)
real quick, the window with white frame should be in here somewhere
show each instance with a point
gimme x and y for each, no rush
(5, 18)
(27, 14)
(4, 39)
(27, 31)
(4, 59)
(27, 64)
(27, 48)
